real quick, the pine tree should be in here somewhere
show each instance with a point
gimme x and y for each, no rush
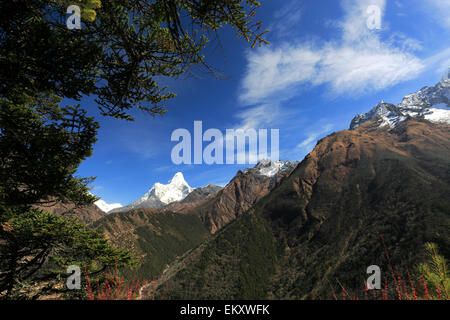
(122, 49)
(435, 271)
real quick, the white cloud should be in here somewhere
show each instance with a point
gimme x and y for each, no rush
(404, 43)
(260, 116)
(271, 70)
(359, 61)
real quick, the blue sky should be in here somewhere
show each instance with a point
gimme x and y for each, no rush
(323, 65)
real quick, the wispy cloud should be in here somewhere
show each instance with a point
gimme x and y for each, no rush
(313, 136)
(164, 169)
(286, 19)
(259, 116)
(358, 62)
(440, 61)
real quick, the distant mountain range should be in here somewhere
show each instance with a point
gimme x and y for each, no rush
(161, 195)
(159, 236)
(429, 103)
(178, 192)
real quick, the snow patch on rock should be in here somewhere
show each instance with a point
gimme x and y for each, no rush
(105, 207)
(430, 103)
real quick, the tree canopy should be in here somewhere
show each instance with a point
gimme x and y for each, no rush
(36, 247)
(123, 48)
(41, 146)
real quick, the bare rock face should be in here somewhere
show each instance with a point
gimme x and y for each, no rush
(242, 192)
(193, 199)
(216, 206)
(324, 220)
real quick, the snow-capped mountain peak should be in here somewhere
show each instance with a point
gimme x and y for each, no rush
(430, 103)
(178, 179)
(387, 114)
(161, 195)
(176, 190)
(105, 207)
(270, 168)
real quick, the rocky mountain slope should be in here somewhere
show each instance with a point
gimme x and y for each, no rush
(241, 193)
(158, 236)
(193, 199)
(321, 226)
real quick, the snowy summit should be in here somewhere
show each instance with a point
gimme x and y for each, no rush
(270, 168)
(105, 207)
(161, 195)
(429, 103)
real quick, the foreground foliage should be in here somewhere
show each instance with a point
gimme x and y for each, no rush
(118, 56)
(37, 247)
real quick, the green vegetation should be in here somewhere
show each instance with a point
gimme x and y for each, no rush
(239, 260)
(37, 247)
(176, 235)
(158, 238)
(435, 271)
(41, 146)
